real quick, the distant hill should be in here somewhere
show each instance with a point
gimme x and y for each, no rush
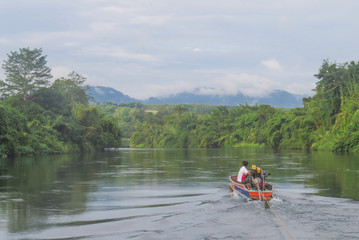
(107, 94)
(277, 98)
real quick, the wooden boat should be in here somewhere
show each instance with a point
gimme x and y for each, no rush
(250, 194)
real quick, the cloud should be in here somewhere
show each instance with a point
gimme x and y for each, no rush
(247, 84)
(272, 64)
(228, 84)
(55, 39)
(300, 88)
(151, 20)
(2, 74)
(103, 27)
(4, 41)
(121, 54)
(60, 71)
(165, 47)
(99, 91)
(162, 90)
(115, 9)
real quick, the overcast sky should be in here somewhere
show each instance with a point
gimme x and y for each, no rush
(156, 48)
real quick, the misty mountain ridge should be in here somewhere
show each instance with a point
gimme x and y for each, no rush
(106, 94)
(277, 98)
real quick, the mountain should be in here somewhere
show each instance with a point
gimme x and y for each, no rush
(107, 94)
(277, 98)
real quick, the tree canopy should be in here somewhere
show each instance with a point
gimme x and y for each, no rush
(328, 120)
(37, 117)
(25, 72)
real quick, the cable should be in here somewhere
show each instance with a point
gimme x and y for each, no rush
(275, 214)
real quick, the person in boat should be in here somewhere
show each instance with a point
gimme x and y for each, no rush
(244, 176)
(253, 171)
(257, 176)
(260, 177)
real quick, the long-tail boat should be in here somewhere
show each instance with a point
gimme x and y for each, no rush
(251, 193)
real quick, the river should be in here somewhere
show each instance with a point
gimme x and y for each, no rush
(178, 194)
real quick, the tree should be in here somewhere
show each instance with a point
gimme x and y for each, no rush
(25, 72)
(73, 88)
(52, 100)
(12, 130)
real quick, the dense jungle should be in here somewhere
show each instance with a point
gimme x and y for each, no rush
(42, 115)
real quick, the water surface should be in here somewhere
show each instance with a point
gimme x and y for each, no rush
(177, 194)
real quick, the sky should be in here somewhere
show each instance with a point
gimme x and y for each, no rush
(156, 48)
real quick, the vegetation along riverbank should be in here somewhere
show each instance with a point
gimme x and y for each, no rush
(40, 115)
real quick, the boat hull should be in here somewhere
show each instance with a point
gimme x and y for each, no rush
(250, 194)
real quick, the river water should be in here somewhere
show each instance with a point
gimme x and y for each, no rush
(178, 194)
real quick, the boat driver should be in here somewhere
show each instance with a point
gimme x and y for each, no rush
(244, 176)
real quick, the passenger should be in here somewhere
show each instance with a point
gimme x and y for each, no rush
(253, 171)
(244, 176)
(258, 177)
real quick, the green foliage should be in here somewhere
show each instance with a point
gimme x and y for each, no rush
(335, 107)
(58, 118)
(329, 120)
(52, 100)
(25, 72)
(72, 88)
(13, 130)
(111, 136)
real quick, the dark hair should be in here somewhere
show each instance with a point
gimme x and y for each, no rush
(245, 163)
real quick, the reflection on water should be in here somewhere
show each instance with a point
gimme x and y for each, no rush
(173, 193)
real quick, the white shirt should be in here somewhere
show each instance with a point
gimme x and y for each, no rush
(242, 171)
